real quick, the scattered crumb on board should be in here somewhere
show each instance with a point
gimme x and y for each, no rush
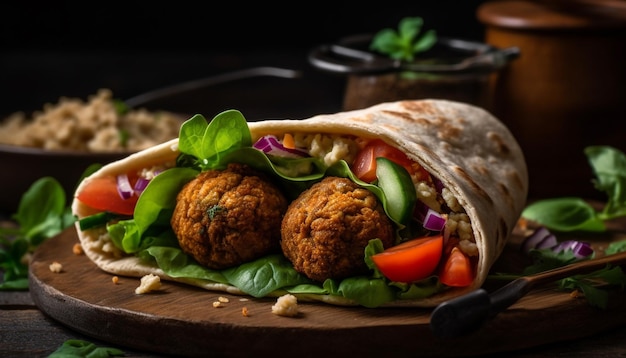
(77, 249)
(148, 283)
(56, 267)
(286, 305)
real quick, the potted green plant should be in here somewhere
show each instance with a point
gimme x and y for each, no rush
(410, 63)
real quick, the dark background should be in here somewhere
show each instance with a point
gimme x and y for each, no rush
(72, 48)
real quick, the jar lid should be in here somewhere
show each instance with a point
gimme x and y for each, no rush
(554, 14)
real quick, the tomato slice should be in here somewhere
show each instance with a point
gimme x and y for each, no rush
(412, 260)
(457, 269)
(102, 194)
(364, 165)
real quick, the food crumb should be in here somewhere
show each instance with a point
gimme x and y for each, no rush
(26, 258)
(244, 312)
(522, 223)
(574, 294)
(56, 267)
(217, 304)
(223, 299)
(77, 249)
(149, 283)
(286, 305)
(115, 279)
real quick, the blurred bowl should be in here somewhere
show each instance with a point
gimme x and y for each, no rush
(259, 93)
(22, 166)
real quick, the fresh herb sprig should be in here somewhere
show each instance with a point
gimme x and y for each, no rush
(42, 213)
(590, 284)
(575, 214)
(81, 348)
(404, 43)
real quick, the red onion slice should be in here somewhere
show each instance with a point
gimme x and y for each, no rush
(430, 219)
(434, 221)
(269, 144)
(123, 187)
(580, 249)
(541, 238)
(140, 185)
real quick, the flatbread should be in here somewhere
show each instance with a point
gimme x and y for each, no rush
(468, 149)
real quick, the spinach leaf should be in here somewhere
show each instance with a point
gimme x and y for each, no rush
(208, 142)
(74, 348)
(32, 227)
(609, 166)
(565, 214)
(575, 214)
(268, 274)
(158, 200)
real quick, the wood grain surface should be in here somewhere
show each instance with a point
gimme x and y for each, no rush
(181, 320)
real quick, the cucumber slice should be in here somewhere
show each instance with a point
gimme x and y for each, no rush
(395, 182)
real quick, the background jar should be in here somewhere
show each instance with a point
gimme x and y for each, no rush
(566, 90)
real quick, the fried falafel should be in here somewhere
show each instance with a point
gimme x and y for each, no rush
(224, 218)
(326, 229)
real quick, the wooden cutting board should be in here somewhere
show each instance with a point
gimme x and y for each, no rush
(182, 320)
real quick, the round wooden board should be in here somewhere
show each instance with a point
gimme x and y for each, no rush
(181, 320)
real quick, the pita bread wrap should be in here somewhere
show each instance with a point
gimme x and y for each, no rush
(467, 149)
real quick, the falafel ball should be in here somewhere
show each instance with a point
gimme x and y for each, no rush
(224, 218)
(326, 229)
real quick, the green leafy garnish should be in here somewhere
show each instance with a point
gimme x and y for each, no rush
(76, 348)
(576, 214)
(589, 284)
(42, 213)
(547, 259)
(404, 43)
(121, 107)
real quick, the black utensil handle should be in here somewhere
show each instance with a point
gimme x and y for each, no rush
(508, 294)
(461, 315)
(465, 314)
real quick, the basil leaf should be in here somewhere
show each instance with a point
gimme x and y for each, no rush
(47, 195)
(208, 142)
(609, 166)
(260, 277)
(404, 43)
(191, 134)
(565, 214)
(79, 348)
(158, 200)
